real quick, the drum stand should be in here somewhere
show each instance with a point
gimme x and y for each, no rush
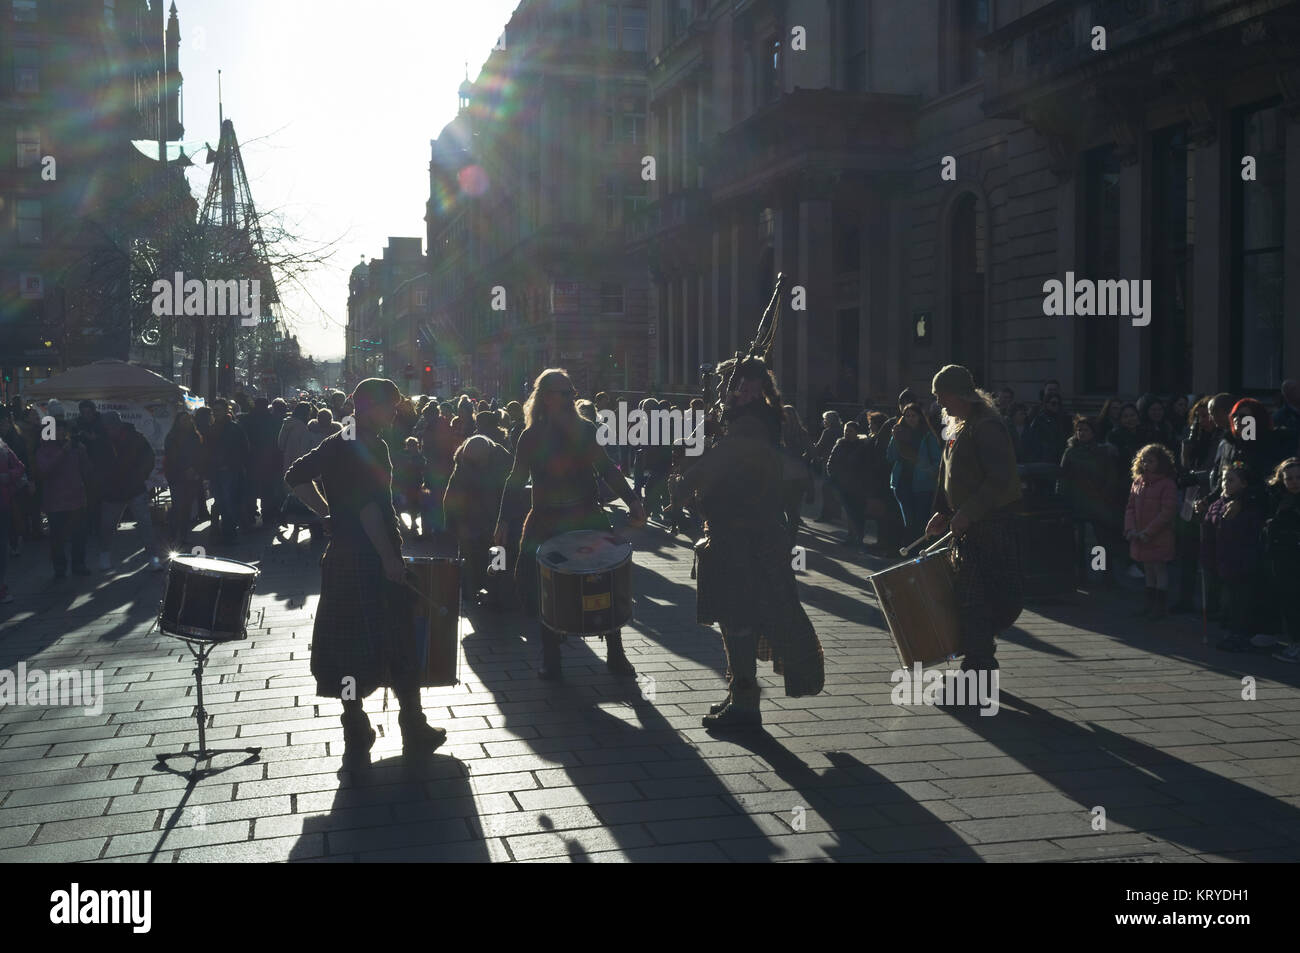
(200, 651)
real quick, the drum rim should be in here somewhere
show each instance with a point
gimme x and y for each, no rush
(255, 571)
(191, 633)
(433, 559)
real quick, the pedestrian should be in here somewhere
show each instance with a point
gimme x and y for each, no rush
(1237, 521)
(845, 471)
(915, 457)
(832, 431)
(1090, 484)
(1149, 523)
(408, 478)
(360, 641)
(64, 466)
(1045, 438)
(227, 453)
(20, 498)
(126, 491)
(796, 450)
(1018, 428)
(13, 478)
(182, 466)
(471, 504)
(1126, 438)
(1281, 544)
(978, 489)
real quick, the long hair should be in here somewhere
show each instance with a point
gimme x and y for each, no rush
(535, 405)
(1249, 407)
(1281, 468)
(925, 421)
(952, 426)
(1164, 460)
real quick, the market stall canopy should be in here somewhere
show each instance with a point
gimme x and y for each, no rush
(106, 381)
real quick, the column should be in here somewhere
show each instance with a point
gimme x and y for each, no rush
(1132, 231)
(670, 312)
(1067, 329)
(817, 360)
(1209, 325)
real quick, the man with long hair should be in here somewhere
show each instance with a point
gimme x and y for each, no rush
(745, 579)
(357, 644)
(978, 489)
(559, 450)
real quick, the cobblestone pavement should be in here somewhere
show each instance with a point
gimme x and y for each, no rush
(1098, 711)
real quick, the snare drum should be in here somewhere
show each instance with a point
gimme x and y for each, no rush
(920, 604)
(435, 618)
(206, 599)
(586, 582)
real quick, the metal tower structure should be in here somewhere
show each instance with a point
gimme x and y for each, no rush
(234, 248)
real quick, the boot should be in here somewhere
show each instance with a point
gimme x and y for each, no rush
(358, 737)
(1149, 604)
(617, 662)
(550, 670)
(1159, 599)
(742, 712)
(715, 709)
(418, 736)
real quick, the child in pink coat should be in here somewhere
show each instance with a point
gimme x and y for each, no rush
(1149, 523)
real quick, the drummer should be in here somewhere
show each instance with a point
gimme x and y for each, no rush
(978, 489)
(355, 645)
(559, 450)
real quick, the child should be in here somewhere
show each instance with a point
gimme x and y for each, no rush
(1282, 552)
(408, 474)
(1237, 517)
(1149, 523)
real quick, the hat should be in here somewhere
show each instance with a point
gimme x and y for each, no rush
(111, 418)
(55, 408)
(956, 381)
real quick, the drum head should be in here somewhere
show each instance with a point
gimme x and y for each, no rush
(584, 551)
(215, 566)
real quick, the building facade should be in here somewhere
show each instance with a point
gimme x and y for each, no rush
(920, 170)
(530, 187)
(387, 305)
(80, 80)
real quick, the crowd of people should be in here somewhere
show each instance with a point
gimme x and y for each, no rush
(1198, 495)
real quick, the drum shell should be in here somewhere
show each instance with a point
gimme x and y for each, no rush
(590, 603)
(203, 607)
(434, 618)
(919, 603)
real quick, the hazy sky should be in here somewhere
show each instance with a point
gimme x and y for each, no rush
(334, 104)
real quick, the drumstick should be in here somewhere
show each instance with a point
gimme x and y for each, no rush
(911, 547)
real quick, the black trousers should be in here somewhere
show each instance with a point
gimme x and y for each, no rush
(68, 527)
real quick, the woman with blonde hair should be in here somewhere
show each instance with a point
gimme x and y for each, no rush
(558, 449)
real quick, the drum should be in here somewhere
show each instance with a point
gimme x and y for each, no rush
(920, 605)
(206, 599)
(435, 618)
(586, 582)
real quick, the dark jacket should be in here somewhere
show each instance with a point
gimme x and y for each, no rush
(1091, 481)
(133, 461)
(1282, 531)
(978, 476)
(1233, 545)
(1045, 438)
(182, 457)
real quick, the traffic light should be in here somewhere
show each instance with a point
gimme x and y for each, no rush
(426, 380)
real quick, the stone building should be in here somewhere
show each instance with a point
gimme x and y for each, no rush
(80, 82)
(920, 170)
(387, 303)
(529, 188)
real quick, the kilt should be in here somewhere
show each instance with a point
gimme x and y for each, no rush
(987, 581)
(362, 628)
(543, 523)
(745, 580)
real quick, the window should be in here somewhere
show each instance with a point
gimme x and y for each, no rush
(633, 130)
(634, 199)
(24, 11)
(29, 147)
(1258, 226)
(611, 25)
(609, 125)
(110, 13)
(1101, 239)
(855, 45)
(1173, 196)
(611, 299)
(422, 299)
(27, 63)
(611, 202)
(634, 30)
(972, 24)
(769, 81)
(29, 221)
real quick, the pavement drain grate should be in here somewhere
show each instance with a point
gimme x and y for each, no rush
(1126, 859)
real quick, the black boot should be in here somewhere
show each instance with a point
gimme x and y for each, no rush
(742, 712)
(418, 736)
(714, 709)
(616, 661)
(550, 670)
(358, 736)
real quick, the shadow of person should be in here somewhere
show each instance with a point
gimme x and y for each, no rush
(1142, 789)
(395, 809)
(869, 816)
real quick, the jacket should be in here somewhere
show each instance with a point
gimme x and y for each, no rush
(978, 475)
(295, 440)
(65, 469)
(1234, 551)
(1151, 508)
(133, 461)
(924, 472)
(1091, 482)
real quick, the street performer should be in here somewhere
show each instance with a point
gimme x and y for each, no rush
(356, 644)
(745, 576)
(978, 489)
(558, 449)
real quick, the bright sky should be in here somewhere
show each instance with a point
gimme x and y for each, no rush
(334, 104)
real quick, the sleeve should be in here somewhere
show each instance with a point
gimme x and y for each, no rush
(997, 461)
(311, 465)
(1168, 507)
(1130, 510)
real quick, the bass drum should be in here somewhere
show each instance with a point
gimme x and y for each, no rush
(586, 582)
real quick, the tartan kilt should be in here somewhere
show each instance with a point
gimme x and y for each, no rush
(360, 622)
(986, 573)
(746, 580)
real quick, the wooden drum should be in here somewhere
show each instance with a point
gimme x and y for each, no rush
(920, 605)
(435, 618)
